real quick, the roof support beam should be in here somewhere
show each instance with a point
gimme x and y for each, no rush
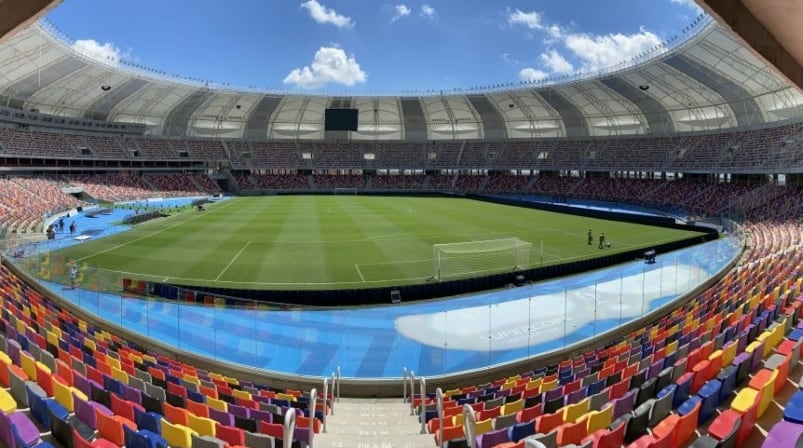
(770, 27)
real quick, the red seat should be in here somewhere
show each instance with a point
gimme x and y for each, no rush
(605, 438)
(230, 434)
(547, 422)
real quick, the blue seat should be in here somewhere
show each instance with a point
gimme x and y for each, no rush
(689, 405)
(710, 394)
(150, 421)
(37, 401)
(794, 409)
(143, 439)
(520, 431)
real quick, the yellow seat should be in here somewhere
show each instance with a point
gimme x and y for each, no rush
(7, 402)
(572, 412)
(202, 425)
(119, 375)
(113, 362)
(599, 419)
(728, 353)
(549, 385)
(484, 426)
(282, 396)
(193, 379)
(512, 407)
(241, 393)
(177, 436)
(28, 365)
(63, 395)
(214, 403)
(744, 400)
(764, 382)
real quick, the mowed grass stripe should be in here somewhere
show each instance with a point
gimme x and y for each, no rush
(313, 242)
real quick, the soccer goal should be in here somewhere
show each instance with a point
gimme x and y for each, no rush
(467, 258)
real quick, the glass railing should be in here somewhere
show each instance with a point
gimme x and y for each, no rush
(430, 337)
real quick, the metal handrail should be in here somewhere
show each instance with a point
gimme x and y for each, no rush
(313, 401)
(333, 393)
(289, 427)
(469, 425)
(338, 383)
(412, 392)
(404, 384)
(325, 401)
(439, 397)
(422, 393)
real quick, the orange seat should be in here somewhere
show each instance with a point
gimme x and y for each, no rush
(449, 433)
(199, 409)
(110, 427)
(175, 415)
(547, 422)
(572, 432)
(764, 382)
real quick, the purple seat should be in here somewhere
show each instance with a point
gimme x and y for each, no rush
(624, 404)
(260, 415)
(14, 350)
(81, 383)
(222, 417)
(575, 396)
(755, 360)
(742, 361)
(492, 438)
(131, 394)
(784, 433)
(240, 411)
(17, 430)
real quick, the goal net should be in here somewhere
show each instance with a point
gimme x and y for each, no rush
(463, 259)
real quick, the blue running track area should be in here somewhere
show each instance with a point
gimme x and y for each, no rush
(431, 338)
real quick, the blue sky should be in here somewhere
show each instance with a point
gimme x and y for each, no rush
(369, 46)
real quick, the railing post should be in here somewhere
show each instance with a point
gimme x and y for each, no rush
(325, 401)
(469, 425)
(338, 383)
(333, 393)
(313, 400)
(439, 396)
(404, 384)
(412, 392)
(289, 427)
(422, 414)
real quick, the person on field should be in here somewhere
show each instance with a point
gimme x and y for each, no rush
(601, 240)
(590, 237)
(73, 276)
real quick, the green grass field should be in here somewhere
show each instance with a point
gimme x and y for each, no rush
(330, 242)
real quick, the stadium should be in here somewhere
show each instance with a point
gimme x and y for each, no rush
(601, 259)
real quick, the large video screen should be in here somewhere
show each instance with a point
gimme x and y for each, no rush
(340, 120)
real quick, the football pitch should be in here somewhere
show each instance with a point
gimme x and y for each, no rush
(341, 242)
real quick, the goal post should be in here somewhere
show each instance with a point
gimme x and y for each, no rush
(454, 260)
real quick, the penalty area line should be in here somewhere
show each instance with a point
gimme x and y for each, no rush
(357, 267)
(232, 261)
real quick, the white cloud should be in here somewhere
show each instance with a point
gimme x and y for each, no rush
(530, 74)
(401, 11)
(330, 65)
(427, 11)
(531, 20)
(603, 51)
(507, 57)
(322, 14)
(556, 62)
(107, 52)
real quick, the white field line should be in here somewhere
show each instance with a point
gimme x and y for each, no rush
(357, 267)
(109, 249)
(232, 261)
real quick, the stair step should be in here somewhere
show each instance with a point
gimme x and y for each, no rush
(373, 423)
(384, 441)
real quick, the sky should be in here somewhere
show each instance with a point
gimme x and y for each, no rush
(371, 46)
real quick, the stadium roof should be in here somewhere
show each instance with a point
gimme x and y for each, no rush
(706, 80)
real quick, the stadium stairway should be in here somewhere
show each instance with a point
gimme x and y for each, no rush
(373, 423)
